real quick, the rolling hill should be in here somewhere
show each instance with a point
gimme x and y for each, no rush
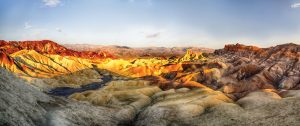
(238, 84)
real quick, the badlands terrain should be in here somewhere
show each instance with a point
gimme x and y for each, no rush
(45, 83)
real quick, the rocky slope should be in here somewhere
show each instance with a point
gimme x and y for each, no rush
(135, 102)
(251, 68)
(22, 104)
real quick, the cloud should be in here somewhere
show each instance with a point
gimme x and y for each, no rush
(27, 25)
(155, 35)
(295, 5)
(51, 3)
(58, 29)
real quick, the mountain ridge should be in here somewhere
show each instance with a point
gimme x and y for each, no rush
(49, 47)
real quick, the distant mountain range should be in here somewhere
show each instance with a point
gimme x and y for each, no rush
(130, 52)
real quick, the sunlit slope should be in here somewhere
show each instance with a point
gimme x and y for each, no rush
(33, 64)
(46, 59)
(9, 63)
(38, 62)
(139, 67)
(149, 66)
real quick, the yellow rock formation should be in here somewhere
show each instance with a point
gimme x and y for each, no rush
(32, 65)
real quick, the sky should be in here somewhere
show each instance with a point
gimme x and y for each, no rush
(141, 23)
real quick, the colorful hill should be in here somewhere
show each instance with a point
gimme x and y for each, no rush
(236, 69)
(49, 47)
(231, 85)
(45, 59)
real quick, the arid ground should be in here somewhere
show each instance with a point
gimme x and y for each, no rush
(45, 83)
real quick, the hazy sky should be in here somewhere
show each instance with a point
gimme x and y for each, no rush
(208, 23)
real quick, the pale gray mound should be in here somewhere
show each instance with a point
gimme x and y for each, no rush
(23, 105)
(82, 114)
(179, 107)
(256, 109)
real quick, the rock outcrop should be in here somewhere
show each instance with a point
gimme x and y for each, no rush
(251, 68)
